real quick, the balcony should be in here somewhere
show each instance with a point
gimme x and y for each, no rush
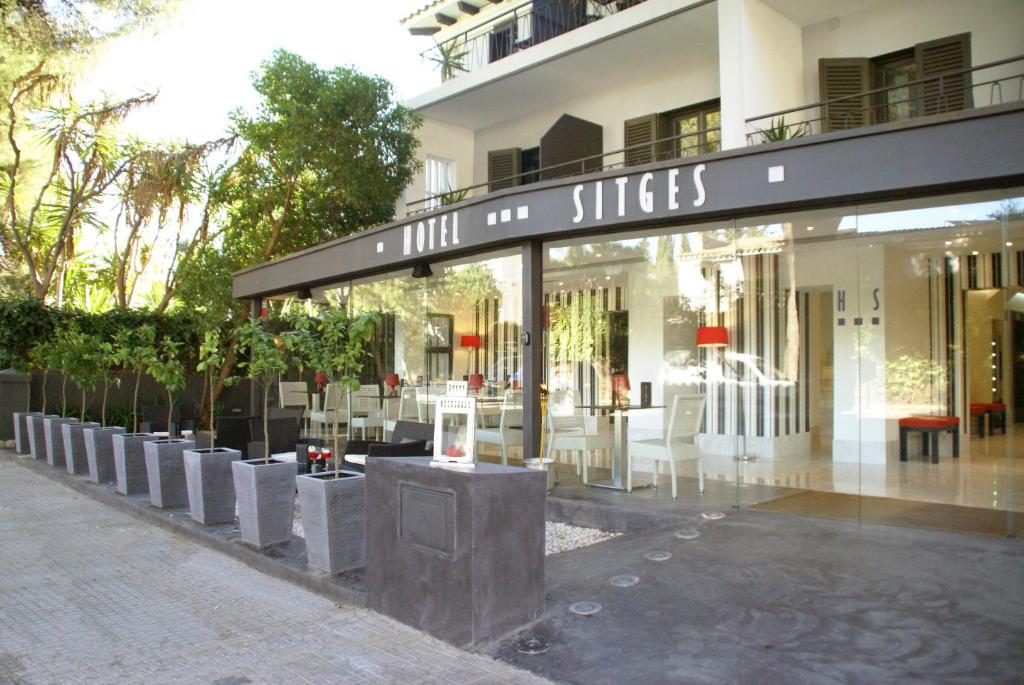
(516, 30)
(990, 84)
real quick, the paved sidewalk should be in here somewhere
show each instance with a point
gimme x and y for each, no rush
(90, 594)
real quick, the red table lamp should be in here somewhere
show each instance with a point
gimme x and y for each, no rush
(620, 389)
(391, 380)
(472, 342)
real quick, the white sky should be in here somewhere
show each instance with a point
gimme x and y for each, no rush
(200, 61)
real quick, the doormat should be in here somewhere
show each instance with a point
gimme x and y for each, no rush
(897, 512)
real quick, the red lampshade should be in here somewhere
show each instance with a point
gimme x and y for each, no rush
(476, 381)
(712, 336)
(391, 380)
(470, 341)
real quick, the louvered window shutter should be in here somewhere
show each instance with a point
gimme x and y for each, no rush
(503, 167)
(937, 57)
(639, 131)
(845, 78)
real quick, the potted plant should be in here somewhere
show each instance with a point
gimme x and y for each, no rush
(99, 442)
(209, 483)
(65, 356)
(83, 367)
(265, 488)
(37, 361)
(134, 347)
(130, 473)
(164, 460)
(333, 503)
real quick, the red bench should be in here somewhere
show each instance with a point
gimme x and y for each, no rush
(930, 427)
(992, 411)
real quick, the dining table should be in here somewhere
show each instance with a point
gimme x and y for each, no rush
(620, 436)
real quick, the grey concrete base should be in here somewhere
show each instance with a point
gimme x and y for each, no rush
(334, 520)
(266, 500)
(37, 434)
(99, 453)
(54, 438)
(456, 552)
(165, 470)
(130, 462)
(75, 457)
(22, 431)
(211, 488)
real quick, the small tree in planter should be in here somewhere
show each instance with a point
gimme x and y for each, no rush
(134, 347)
(82, 365)
(168, 370)
(265, 489)
(211, 361)
(341, 347)
(107, 360)
(333, 503)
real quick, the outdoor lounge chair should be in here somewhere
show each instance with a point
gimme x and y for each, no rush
(409, 439)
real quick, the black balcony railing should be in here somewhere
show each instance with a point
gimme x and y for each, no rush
(685, 145)
(993, 83)
(515, 30)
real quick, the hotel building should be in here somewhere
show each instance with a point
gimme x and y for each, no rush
(788, 235)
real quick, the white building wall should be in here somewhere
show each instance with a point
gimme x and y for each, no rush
(995, 27)
(670, 86)
(446, 141)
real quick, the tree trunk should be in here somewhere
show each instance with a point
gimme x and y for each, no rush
(46, 376)
(209, 378)
(82, 413)
(266, 424)
(103, 407)
(170, 413)
(135, 403)
(64, 397)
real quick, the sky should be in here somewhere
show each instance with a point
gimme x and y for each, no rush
(201, 59)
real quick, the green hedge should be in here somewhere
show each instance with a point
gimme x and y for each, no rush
(24, 322)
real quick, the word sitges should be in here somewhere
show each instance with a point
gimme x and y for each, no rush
(665, 190)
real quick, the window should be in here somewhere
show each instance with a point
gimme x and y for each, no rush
(696, 131)
(440, 179)
(895, 71)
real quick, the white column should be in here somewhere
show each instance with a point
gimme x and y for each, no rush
(760, 71)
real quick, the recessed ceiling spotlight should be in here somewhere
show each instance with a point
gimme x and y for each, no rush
(948, 243)
(974, 252)
(1009, 244)
(810, 228)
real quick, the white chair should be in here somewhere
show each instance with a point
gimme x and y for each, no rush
(408, 410)
(509, 432)
(295, 395)
(678, 444)
(425, 399)
(366, 412)
(333, 411)
(569, 432)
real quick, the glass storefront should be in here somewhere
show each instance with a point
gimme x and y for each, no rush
(862, 362)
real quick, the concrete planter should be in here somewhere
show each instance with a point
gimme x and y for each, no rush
(211, 488)
(22, 430)
(75, 457)
(37, 434)
(54, 439)
(99, 453)
(334, 518)
(165, 469)
(130, 462)
(266, 500)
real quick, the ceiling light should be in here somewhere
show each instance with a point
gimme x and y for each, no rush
(948, 243)
(305, 294)
(810, 228)
(422, 270)
(1009, 244)
(975, 253)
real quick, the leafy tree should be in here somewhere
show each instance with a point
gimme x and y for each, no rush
(265, 360)
(165, 365)
(107, 360)
(81, 362)
(44, 356)
(327, 153)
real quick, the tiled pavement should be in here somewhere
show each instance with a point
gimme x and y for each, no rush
(90, 594)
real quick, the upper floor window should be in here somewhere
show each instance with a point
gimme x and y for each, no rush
(685, 132)
(440, 179)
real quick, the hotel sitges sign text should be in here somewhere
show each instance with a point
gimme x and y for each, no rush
(665, 191)
(430, 234)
